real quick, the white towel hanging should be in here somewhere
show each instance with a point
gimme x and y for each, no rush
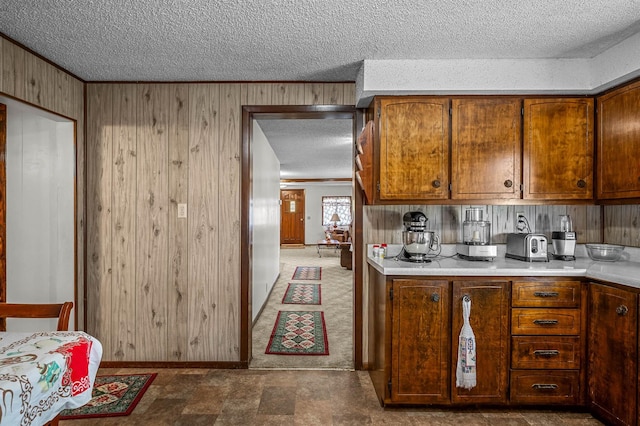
(466, 367)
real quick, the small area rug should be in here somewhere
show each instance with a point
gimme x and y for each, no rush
(113, 395)
(307, 273)
(299, 333)
(302, 294)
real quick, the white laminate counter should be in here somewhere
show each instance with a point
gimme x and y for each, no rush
(625, 271)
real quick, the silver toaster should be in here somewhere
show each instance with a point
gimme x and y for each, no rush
(527, 247)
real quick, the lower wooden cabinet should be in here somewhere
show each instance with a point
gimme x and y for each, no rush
(489, 320)
(540, 342)
(420, 342)
(613, 354)
(547, 342)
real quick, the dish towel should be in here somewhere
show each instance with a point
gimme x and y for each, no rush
(466, 368)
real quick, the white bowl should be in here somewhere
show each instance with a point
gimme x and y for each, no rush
(604, 252)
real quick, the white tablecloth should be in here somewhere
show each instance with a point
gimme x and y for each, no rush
(43, 373)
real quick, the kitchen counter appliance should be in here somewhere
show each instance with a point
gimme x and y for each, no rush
(527, 246)
(476, 236)
(564, 240)
(417, 242)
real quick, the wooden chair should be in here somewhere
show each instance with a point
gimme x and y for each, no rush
(62, 311)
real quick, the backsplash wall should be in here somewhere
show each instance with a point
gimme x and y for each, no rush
(384, 223)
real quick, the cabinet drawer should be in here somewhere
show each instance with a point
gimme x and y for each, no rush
(545, 387)
(541, 352)
(545, 321)
(556, 294)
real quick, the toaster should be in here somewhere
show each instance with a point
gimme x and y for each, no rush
(527, 247)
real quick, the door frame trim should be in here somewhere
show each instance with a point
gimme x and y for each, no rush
(250, 113)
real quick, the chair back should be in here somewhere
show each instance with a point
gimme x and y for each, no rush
(62, 311)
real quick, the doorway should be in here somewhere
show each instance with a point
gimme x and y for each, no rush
(37, 203)
(292, 205)
(248, 261)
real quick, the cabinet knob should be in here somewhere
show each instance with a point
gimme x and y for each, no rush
(435, 297)
(436, 183)
(622, 310)
(508, 183)
(581, 183)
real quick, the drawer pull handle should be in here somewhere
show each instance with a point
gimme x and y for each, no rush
(546, 353)
(545, 322)
(546, 294)
(622, 310)
(544, 386)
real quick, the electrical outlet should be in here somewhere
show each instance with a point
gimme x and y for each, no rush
(182, 211)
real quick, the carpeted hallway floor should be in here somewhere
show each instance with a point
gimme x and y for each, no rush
(337, 304)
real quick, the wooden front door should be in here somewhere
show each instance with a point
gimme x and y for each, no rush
(292, 216)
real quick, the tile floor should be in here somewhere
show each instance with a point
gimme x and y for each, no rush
(295, 397)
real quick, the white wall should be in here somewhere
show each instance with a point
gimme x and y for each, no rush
(313, 230)
(40, 165)
(265, 219)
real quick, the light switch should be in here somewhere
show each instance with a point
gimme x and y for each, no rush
(182, 210)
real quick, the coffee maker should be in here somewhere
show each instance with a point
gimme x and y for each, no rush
(417, 242)
(476, 237)
(564, 240)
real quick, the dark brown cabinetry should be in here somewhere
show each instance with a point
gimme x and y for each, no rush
(547, 342)
(486, 148)
(613, 354)
(412, 135)
(420, 342)
(489, 320)
(619, 143)
(412, 339)
(491, 152)
(558, 149)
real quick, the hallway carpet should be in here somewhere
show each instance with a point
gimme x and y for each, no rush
(337, 304)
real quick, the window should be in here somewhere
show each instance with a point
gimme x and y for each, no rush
(339, 205)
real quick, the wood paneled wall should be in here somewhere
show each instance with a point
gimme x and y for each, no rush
(28, 78)
(162, 288)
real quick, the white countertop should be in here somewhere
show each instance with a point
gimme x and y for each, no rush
(625, 271)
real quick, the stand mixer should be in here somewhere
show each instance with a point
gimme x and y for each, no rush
(417, 241)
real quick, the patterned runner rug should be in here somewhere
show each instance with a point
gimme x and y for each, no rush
(307, 273)
(299, 333)
(302, 294)
(113, 395)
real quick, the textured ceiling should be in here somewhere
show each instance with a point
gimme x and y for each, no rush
(311, 149)
(303, 40)
(312, 40)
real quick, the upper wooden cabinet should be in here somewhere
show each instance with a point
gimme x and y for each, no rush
(412, 141)
(486, 148)
(558, 149)
(619, 143)
(498, 148)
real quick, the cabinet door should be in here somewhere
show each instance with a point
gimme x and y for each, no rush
(414, 148)
(613, 352)
(486, 148)
(420, 342)
(490, 323)
(558, 149)
(619, 143)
